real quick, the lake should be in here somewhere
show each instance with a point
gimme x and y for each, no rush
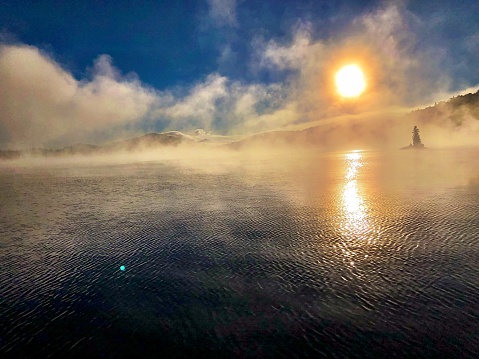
(338, 255)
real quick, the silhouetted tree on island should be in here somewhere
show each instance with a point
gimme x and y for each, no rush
(416, 139)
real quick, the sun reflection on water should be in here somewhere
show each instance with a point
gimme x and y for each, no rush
(353, 205)
(354, 226)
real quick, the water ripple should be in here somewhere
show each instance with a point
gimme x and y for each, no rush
(253, 265)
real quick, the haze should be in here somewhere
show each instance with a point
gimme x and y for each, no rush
(49, 101)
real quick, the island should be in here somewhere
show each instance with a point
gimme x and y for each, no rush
(416, 141)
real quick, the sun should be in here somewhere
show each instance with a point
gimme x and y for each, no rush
(350, 81)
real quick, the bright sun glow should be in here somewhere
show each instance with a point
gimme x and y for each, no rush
(350, 81)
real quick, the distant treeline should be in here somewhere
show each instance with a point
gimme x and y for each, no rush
(457, 110)
(148, 141)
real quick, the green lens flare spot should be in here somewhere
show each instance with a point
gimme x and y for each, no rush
(122, 268)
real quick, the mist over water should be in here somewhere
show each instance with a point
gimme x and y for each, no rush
(236, 254)
(196, 208)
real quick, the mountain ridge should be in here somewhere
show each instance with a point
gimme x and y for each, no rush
(147, 141)
(455, 110)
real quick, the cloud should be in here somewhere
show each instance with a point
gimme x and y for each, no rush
(223, 12)
(383, 43)
(222, 105)
(402, 72)
(283, 57)
(41, 103)
(200, 103)
(405, 71)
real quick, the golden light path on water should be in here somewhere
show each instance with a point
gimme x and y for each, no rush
(354, 225)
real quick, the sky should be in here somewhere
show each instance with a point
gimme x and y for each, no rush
(95, 71)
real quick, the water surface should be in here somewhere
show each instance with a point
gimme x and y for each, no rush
(359, 254)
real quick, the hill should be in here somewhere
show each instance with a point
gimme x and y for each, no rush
(456, 110)
(148, 141)
(374, 132)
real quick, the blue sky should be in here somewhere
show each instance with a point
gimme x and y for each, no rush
(229, 66)
(165, 42)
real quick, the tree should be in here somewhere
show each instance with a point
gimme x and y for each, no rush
(416, 139)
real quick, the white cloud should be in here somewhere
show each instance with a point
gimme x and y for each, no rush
(382, 42)
(201, 102)
(41, 102)
(220, 104)
(293, 56)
